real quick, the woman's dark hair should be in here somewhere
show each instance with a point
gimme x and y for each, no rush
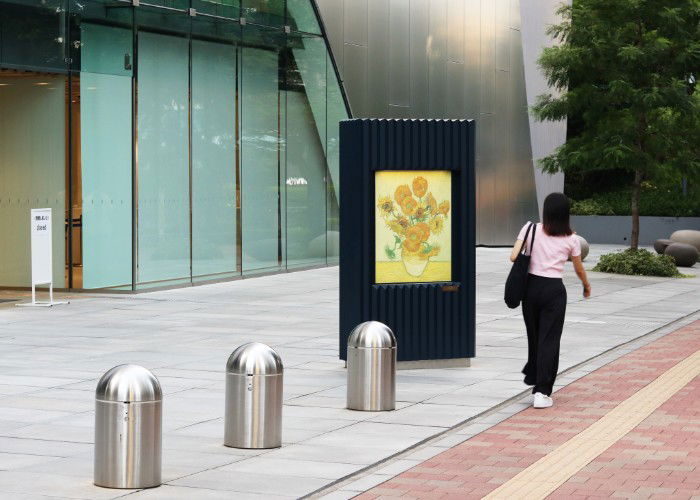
(555, 215)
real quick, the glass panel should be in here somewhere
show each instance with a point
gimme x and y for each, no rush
(261, 155)
(213, 158)
(32, 34)
(306, 163)
(215, 29)
(171, 4)
(164, 20)
(265, 12)
(332, 224)
(336, 113)
(222, 8)
(105, 207)
(102, 57)
(32, 169)
(163, 167)
(302, 17)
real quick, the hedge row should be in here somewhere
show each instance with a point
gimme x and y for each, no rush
(653, 201)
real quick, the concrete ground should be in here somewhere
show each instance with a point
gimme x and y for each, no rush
(51, 359)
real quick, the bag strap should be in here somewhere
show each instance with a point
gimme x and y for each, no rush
(532, 241)
(523, 249)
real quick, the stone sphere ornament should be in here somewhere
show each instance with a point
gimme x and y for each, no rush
(687, 236)
(661, 244)
(585, 247)
(684, 255)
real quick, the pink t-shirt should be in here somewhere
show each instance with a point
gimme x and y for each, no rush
(550, 252)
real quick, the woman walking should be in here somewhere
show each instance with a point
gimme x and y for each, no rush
(544, 303)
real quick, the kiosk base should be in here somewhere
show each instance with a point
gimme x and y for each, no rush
(434, 363)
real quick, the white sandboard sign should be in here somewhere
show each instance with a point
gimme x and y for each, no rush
(42, 254)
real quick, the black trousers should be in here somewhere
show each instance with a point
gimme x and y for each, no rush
(544, 307)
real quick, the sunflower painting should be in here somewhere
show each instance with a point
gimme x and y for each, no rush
(412, 226)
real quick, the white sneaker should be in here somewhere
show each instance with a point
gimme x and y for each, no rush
(542, 401)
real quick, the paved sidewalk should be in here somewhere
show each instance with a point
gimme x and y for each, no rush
(605, 437)
(50, 360)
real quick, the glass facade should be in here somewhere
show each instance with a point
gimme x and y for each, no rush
(183, 140)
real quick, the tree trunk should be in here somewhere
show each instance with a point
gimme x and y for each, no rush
(636, 192)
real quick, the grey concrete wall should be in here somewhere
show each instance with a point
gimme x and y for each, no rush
(447, 59)
(617, 229)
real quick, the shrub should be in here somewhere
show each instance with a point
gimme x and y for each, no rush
(638, 262)
(591, 206)
(655, 200)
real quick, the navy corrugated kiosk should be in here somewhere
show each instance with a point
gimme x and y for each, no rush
(432, 320)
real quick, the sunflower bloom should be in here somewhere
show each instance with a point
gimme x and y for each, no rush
(401, 193)
(396, 227)
(424, 231)
(421, 211)
(420, 186)
(403, 221)
(385, 206)
(434, 251)
(409, 205)
(414, 237)
(431, 204)
(437, 225)
(410, 248)
(444, 207)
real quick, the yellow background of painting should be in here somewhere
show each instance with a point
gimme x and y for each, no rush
(440, 266)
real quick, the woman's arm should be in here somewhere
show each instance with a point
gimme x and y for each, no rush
(516, 250)
(581, 273)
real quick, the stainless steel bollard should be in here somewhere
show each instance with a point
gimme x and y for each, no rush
(253, 398)
(372, 368)
(128, 423)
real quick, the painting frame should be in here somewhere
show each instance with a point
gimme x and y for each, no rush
(413, 226)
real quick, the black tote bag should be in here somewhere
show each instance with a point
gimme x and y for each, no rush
(517, 278)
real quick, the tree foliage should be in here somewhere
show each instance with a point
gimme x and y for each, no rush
(626, 69)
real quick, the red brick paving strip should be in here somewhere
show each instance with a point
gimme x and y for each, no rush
(660, 458)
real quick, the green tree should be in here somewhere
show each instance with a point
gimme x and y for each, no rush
(626, 70)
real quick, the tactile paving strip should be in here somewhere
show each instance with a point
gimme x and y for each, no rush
(554, 469)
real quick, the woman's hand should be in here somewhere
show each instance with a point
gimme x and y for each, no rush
(581, 273)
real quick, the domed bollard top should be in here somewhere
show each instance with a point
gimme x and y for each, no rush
(254, 359)
(128, 383)
(128, 428)
(371, 384)
(372, 334)
(254, 388)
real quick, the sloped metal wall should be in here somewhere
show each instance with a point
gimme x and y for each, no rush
(447, 59)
